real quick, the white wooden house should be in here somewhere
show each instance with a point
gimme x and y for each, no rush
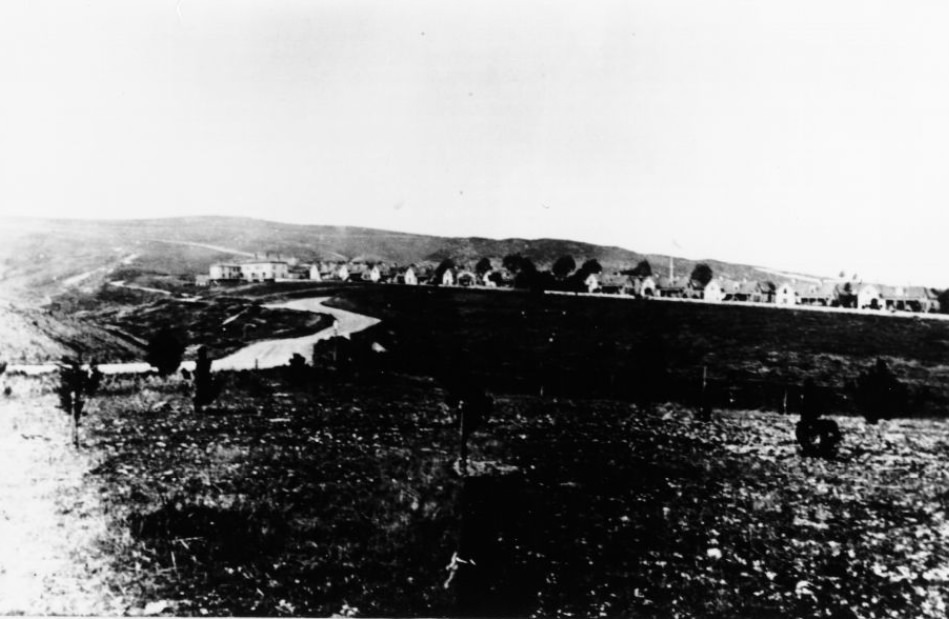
(646, 287)
(714, 291)
(786, 294)
(448, 278)
(265, 270)
(592, 282)
(373, 275)
(225, 271)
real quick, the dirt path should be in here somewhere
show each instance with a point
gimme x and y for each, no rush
(122, 284)
(223, 250)
(50, 519)
(274, 353)
(261, 355)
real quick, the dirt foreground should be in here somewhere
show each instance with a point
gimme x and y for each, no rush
(50, 519)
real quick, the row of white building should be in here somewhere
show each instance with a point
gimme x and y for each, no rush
(269, 270)
(859, 295)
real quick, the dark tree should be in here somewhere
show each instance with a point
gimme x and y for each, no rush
(165, 350)
(564, 266)
(643, 269)
(702, 274)
(444, 265)
(944, 301)
(591, 266)
(880, 394)
(525, 273)
(298, 373)
(513, 263)
(539, 281)
(483, 266)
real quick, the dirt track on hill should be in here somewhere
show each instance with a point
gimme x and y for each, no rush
(50, 517)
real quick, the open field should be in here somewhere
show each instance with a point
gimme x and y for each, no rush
(341, 498)
(338, 494)
(604, 347)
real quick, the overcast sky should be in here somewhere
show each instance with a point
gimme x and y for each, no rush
(807, 135)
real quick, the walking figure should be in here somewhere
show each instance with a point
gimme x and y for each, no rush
(817, 436)
(206, 389)
(75, 383)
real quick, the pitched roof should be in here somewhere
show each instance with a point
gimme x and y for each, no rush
(613, 279)
(676, 283)
(825, 290)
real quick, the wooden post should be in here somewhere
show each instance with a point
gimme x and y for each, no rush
(463, 460)
(706, 413)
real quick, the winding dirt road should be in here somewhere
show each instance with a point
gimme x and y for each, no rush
(274, 353)
(260, 355)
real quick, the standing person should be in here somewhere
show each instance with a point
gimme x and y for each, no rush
(817, 436)
(204, 388)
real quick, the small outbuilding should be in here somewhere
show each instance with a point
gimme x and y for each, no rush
(869, 296)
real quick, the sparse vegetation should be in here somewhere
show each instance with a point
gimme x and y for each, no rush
(593, 495)
(345, 497)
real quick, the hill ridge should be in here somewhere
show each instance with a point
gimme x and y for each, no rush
(37, 255)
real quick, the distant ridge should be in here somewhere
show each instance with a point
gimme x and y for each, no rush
(38, 257)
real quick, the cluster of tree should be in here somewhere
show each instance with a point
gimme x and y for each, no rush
(564, 274)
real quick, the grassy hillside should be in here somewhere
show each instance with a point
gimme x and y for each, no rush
(42, 258)
(611, 347)
(33, 336)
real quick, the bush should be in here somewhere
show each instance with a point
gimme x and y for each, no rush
(165, 351)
